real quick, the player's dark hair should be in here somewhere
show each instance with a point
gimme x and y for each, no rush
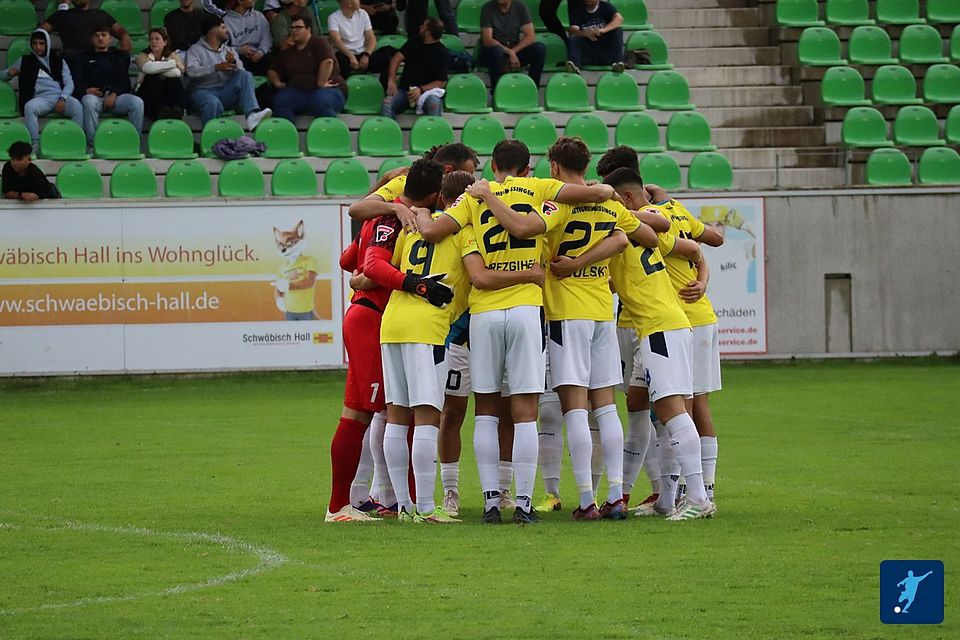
(423, 179)
(511, 155)
(21, 149)
(455, 154)
(435, 27)
(616, 158)
(623, 177)
(454, 184)
(571, 154)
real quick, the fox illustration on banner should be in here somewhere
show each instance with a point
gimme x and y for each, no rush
(293, 290)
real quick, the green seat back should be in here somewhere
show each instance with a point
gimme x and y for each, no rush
(870, 45)
(241, 179)
(955, 44)
(943, 11)
(941, 84)
(19, 47)
(117, 140)
(63, 139)
(556, 49)
(893, 84)
(294, 177)
(639, 131)
(542, 168)
(346, 177)
(187, 179)
(689, 131)
(843, 87)
(848, 12)
(127, 13)
(452, 42)
(133, 179)
(380, 136)
(798, 13)
(364, 95)
(864, 127)
(618, 92)
(328, 137)
(710, 170)
(590, 129)
(17, 18)
(170, 139)
(394, 40)
(660, 169)
(899, 12)
(567, 92)
(916, 126)
(921, 44)
(392, 163)
(953, 125)
(516, 93)
(482, 133)
(429, 131)
(11, 131)
(466, 93)
(939, 165)
(159, 11)
(281, 137)
(80, 180)
(819, 47)
(216, 130)
(668, 91)
(888, 167)
(468, 15)
(656, 47)
(8, 101)
(536, 131)
(634, 14)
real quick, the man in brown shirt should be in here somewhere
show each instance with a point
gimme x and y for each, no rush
(307, 76)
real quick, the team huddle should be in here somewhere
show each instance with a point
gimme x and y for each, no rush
(505, 289)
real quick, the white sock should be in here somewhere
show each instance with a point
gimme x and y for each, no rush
(686, 444)
(486, 448)
(450, 476)
(505, 475)
(581, 450)
(551, 445)
(666, 460)
(635, 446)
(397, 453)
(611, 442)
(651, 461)
(360, 487)
(424, 456)
(708, 458)
(525, 462)
(596, 454)
(382, 487)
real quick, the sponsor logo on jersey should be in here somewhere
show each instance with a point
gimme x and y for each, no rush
(549, 207)
(384, 232)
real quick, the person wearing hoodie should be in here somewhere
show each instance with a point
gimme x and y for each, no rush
(250, 36)
(216, 79)
(46, 86)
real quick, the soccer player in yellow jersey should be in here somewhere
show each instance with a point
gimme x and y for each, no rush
(506, 328)
(645, 290)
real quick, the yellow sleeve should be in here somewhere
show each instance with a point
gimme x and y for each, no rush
(462, 210)
(399, 249)
(626, 221)
(546, 188)
(553, 215)
(468, 241)
(696, 226)
(392, 190)
(666, 242)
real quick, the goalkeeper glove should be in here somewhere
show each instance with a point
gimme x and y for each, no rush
(429, 288)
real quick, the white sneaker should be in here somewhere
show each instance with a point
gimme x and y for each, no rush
(507, 503)
(253, 119)
(571, 67)
(451, 503)
(350, 514)
(649, 509)
(691, 511)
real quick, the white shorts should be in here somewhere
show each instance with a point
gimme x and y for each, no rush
(507, 344)
(666, 363)
(584, 353)
(630, 359)
(706, 359)
(413, 374)
(548, 395)
(458, 371)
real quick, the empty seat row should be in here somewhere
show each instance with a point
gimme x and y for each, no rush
(919, 44)
(914, 126)
(892, 167)
(844, 86)
(806, 13)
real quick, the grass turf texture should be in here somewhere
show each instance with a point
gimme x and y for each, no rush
(825, 470)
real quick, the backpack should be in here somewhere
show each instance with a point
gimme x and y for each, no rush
(459, 62)
(238, 148)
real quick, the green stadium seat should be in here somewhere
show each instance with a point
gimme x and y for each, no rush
(536, 131)
(899, 12)
(394, 40)
(281, 137)
(917, 126)
(556, 49)
(864, 127)
(618, 92)
(591, 172)
(52, 7)
(870, 45)
(159, 11)
(921, 44)
(893, 84)
(79, 180)
(819, 47)
(429, 131)
(542, 168)
(364, 95)
(689, 131)
(848, 13)
(294, 177)
(133, 179)
(328, 138)
(668, 91)
(710, 170)
(516, 93)
(634, 14)
(655, 46)
(216, 130)
(127, 13)
(324, 9)
(482, 133)
(487, 172)
(843, 87)
(888, 168)
(589, 128)
(466, 93)
(939, 165)
(11, 131)
(187, 179)
(8, 101)
(567, 92)
(941, 84)
(798, 13)
(17, 18)
(955, 44)
(170, 139)
(660, 169)
(117, 139)
(468, 15)
(346, 177)
(392, 163)
(452, 42)
(63, 139)
(638, 131)
(953, 126)
(241, 179)
(380, 136)
(943, 11)
(19, 47)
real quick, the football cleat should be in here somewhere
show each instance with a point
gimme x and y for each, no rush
(349, 513)
(649, 509)
(522, 517)
(506, 501)
(388, 512)
(451, 503)
(370, 506)
(491, 516)
(614, 511)
(437, 516)
(690, 511)
(590, 513)
(650, 499)
(404, 517)
(549, 503)
(626, 501)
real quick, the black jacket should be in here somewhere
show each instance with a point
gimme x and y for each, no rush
(107, 71)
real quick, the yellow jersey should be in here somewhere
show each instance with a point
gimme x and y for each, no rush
(393, 189)
(500, 250)
(410, 318)
(298, 300)
(646, 292)
(681, 270)
(585, 295)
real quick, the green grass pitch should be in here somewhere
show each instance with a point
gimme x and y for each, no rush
(163, 507)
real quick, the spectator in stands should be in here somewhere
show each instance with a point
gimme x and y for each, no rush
(160, 86)
(351, 34)
(46, 85)
(507, 40)
(250, 36)
(383, 15)
(424, 78)
(75, 27)
(307, 76)
(416, 12)
(103, 84)
(280, 25)
(23, 180)
(548, 14)
(183, 26)
(596, 36)
(216, 79)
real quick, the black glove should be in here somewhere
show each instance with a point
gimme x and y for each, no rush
(429, 288)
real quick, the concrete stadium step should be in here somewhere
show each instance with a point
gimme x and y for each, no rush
(660, 5)
(703, 17)
(757, 116)
(745, 96)
(784, 157)
(728, 137)
(789, 178)
(717, 37)
(724, 56)
(753, 75)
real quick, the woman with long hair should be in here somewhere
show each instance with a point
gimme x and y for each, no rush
(160, 86)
